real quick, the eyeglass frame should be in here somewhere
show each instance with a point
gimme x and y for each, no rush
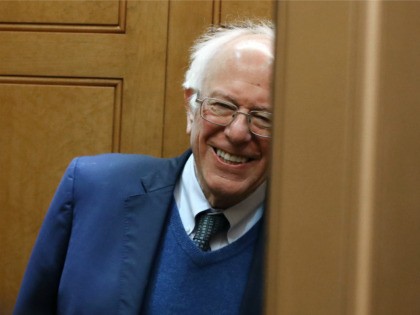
(235, 114)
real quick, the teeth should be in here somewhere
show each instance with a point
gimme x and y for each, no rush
(231, 158)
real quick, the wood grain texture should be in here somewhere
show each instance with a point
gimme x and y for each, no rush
(71, 16)
(231, 10)
(45, 123)
(142, 59)
(184, 28)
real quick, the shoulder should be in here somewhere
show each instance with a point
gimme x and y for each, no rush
(116, 161)
(123, 167)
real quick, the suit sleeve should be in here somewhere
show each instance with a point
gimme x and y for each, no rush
(39, 289)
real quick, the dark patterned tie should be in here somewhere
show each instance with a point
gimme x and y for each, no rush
(208, 225)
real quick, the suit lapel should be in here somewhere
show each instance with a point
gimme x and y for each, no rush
(145, 218)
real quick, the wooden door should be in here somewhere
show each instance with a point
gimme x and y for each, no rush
(86, 77)
(344, 215)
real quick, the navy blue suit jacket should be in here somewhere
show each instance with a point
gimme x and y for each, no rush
(100, 236)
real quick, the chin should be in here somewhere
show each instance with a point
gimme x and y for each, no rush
(227, 195)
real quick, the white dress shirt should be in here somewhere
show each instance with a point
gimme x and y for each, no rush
(190, 201)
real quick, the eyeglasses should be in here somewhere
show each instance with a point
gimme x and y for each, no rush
(223, 113)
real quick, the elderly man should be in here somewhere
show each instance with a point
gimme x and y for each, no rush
(132, 234)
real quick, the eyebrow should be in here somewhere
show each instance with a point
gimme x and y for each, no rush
(222, 96)
(226, 98)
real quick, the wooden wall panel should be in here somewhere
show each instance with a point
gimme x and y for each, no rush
(184, 28)
(45, 123)
(137, 56)
(238, 10)
(142, 60)
(73, 16)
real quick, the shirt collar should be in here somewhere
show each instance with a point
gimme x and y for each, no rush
(190, 201)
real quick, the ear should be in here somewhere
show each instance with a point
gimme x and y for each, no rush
(190, 116)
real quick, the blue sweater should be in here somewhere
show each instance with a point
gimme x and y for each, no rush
(187, 280)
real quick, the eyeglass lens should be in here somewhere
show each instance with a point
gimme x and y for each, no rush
(221, 113)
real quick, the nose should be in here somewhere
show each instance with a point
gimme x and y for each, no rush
(238, 130)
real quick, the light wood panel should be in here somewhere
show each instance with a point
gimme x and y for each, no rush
(238, 10)
(45, 123)
(184, 28)
(72, 16)
(143, 58)
(69, 12)
(343, 217)
(138, 57)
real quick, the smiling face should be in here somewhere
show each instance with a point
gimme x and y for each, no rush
(231, 162)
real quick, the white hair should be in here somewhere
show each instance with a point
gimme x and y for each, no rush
(210, 43)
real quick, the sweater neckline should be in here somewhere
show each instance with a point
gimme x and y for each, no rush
(200, 257)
